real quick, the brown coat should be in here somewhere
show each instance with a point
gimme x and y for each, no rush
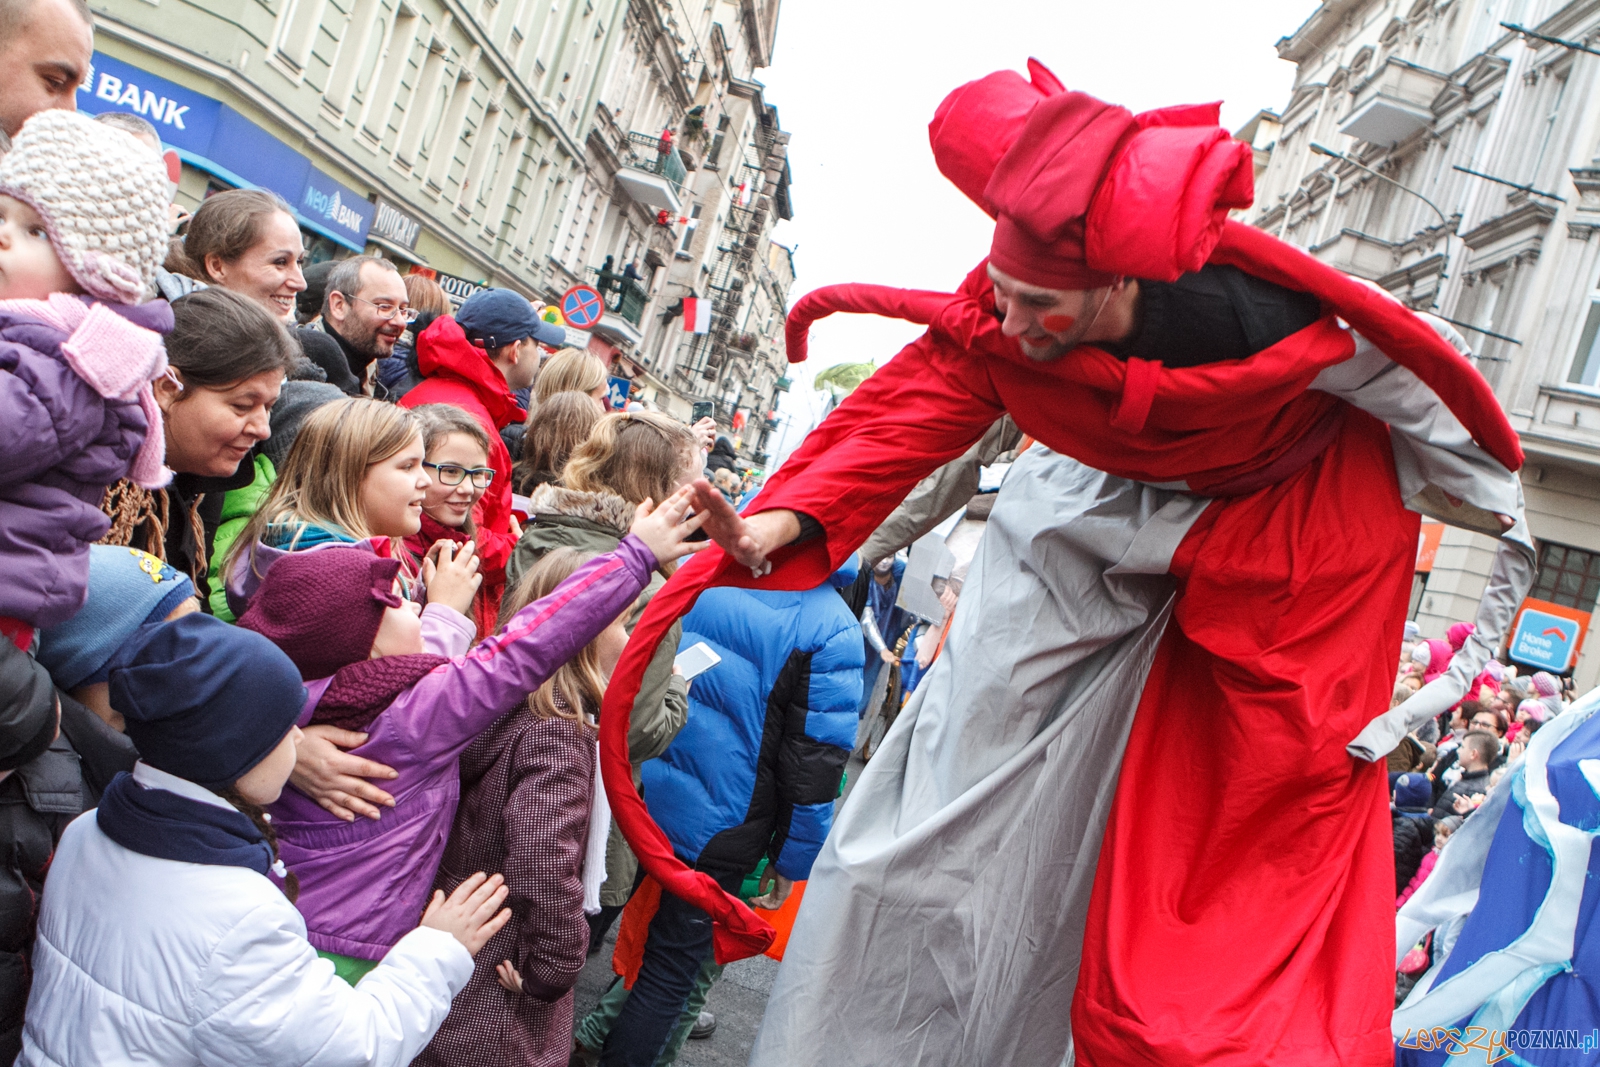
(526, 789)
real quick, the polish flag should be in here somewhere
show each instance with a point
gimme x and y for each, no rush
(696, 315)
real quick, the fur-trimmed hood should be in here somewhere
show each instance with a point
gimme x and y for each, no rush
(603, 509)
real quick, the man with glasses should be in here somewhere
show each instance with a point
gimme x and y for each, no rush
(365, 310)
(476, 360)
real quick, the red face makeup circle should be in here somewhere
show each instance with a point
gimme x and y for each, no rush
(1058, 323)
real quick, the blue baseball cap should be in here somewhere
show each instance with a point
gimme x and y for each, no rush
(495, 317)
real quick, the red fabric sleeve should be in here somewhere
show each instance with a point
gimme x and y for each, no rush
(1383, 320)
(925, 407)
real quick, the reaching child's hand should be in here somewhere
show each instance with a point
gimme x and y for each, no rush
(472, 914)
(452, 576)
(664, 529)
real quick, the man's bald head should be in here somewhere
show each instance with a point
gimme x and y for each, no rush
(45, 47)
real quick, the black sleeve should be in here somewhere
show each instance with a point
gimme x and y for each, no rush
(810, 529)
(27, 707)
(102, 750)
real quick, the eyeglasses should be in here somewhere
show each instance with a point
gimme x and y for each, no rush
(387, 310)
(454, 474)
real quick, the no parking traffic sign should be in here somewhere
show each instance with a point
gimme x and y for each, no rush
(582, 307)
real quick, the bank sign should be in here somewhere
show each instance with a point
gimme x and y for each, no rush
(184, 118)
(1545, 641)
(215, 138)
(336, 206)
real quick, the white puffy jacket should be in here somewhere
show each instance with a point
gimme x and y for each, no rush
(150, 961)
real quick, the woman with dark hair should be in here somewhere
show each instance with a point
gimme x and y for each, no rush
(227, 359)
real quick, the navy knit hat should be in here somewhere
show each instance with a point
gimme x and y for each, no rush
(204, 700)
(1413, 792)
(127, 588)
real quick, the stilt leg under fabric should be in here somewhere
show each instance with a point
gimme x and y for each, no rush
(1242, 912)
(942, 922)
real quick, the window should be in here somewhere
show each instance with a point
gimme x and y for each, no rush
(1586, 363)
(1567, 576)
(688, 230)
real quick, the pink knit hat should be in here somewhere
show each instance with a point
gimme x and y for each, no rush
(102, 195)
(323, 608)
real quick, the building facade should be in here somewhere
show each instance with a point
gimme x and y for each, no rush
(1450, 152)
(529, 144)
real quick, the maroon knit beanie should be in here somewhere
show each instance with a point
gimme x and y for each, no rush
(323, 608)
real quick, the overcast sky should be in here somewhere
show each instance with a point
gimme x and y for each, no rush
(856, 81)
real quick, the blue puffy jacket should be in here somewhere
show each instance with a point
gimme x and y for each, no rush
(756, 769)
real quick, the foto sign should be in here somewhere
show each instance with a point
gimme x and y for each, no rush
(1544, 640)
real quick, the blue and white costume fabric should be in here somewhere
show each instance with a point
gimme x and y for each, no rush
(756, 769)
(1512, 902)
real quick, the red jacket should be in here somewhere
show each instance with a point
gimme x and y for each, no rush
(454, 372)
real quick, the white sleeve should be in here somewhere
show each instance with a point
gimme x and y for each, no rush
(1445, 475)
(266, 997)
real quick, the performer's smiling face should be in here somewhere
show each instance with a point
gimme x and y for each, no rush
(1047, 323)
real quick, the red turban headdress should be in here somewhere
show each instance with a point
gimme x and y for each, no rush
(1083, 192)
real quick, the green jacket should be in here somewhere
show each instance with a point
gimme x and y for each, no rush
(237, 507)
(597, 523)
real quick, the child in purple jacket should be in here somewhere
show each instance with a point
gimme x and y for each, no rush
(359, 647)
(83, 219)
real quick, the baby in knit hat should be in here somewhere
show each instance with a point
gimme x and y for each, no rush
(83, 210)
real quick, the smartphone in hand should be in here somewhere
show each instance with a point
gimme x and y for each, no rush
(696, 660)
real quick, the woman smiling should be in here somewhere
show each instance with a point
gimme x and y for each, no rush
(228, 358)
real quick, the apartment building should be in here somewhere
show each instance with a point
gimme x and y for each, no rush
(1450, 152)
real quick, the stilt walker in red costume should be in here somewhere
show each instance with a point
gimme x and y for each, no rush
(1140, 782)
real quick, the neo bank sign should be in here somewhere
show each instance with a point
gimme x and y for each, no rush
(336, 206)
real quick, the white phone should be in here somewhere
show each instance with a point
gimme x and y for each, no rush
(696, 660)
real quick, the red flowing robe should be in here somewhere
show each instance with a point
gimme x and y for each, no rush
(1241, 912)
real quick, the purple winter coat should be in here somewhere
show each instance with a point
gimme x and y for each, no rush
(363, 885)
(61, 445)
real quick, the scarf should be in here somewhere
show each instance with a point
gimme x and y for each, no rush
(154, 822)
(361, 691)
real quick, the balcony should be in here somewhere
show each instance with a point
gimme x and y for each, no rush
(625, 301)
(1393, 104)
(651, 176)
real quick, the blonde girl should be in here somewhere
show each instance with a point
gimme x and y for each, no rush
(530, 797)
(629, 457)
(571, 370)
(555, 430)
(355, 473)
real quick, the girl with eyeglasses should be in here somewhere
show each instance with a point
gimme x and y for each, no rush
(457, 461)
(353, 478)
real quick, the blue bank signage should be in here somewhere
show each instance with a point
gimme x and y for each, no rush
(184, 118)
(1544, 640)
(336, 206)
(212, 136)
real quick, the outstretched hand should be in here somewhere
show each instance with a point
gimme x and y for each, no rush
(472, 914)
(665, 530)
(750, 540)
